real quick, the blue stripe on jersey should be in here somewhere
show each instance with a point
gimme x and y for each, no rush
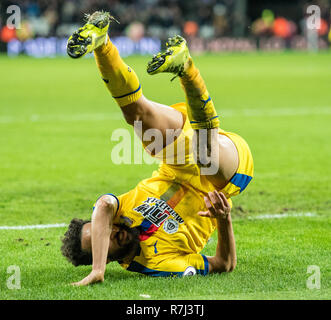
(241, 180)
(145, 225)
(137, 267)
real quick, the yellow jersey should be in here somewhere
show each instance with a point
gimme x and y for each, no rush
(165, 208)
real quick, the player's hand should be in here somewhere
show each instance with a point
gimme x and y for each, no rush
(93, 277)
(217, 205)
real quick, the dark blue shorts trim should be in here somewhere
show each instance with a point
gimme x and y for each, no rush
(241, 180)
(137, 267)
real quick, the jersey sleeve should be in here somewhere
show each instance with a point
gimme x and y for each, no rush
(178, 265)
(125, 202)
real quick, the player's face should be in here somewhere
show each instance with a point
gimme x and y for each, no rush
(119, 237)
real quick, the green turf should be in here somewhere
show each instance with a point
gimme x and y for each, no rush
(56, 120)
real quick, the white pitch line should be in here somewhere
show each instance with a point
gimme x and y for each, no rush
(258, 217)
(282, 215)
(276, 112)
(36, 226)
(62, 118)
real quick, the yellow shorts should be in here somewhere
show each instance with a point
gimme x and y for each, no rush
(245, 171)
(189, 172)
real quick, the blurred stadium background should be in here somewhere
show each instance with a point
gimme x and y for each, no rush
(210, 25)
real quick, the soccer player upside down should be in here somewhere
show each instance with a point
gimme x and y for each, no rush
(160, 226)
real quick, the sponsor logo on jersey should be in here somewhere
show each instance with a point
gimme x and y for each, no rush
(157, 211)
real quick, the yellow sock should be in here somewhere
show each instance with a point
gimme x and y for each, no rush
(201, 110)
(120, 79)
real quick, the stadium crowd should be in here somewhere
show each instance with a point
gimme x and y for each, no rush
(206, 19)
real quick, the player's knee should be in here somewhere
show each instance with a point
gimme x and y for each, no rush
(132, 112)
(131, 118)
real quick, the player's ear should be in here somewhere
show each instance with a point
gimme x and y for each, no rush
(115, 228)
(114, 231)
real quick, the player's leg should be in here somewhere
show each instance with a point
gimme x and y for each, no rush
(123, 84)
(121, 80)
(200, 107)
(176, 59)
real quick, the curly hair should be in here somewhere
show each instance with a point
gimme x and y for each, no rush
(71, 244)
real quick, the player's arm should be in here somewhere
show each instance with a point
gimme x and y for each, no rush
(225, 259)
(101, 226)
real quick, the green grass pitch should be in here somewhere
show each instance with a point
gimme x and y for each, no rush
(56, 120)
